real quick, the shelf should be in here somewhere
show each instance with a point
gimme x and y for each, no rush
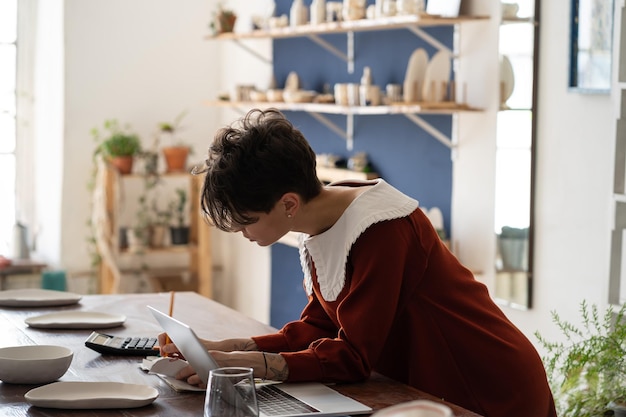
(107, 210)
(185, 249)
(409, 110)
(516, 20)
(362, 25)
(181, 174)
(412, 23)
(331, 174)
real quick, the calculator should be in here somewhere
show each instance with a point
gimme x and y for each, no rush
(116, 345)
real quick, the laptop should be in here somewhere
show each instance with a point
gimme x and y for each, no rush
(308, 399)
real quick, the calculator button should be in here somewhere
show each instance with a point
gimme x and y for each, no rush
(133, 343)
(142, 343)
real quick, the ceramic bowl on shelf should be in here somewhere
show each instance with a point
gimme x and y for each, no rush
(258, 96)
(274, 95)
(298, 96)
(34, 364)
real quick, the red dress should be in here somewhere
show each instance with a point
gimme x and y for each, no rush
(409, 310)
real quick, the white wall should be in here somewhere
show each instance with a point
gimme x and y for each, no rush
(141, 62)
(144, 61)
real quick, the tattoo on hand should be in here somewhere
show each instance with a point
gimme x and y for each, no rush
(277, 367)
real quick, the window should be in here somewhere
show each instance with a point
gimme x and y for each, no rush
(8, 110)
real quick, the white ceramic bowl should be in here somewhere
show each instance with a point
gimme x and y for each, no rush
(274, 95)
(34, 364)
(298, 96)
(258, 95)
(418, 408)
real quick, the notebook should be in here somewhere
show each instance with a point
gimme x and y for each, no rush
(310, 399)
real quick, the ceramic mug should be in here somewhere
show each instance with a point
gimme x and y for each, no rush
(394, 92)
(341, 94)
(353, 94)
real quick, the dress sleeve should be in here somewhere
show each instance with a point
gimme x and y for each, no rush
(297, 335)
(366, 308)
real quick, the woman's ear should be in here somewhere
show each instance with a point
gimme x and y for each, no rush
(290, 202)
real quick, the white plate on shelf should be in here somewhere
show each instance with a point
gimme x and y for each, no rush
(34, 297)
(76, 320)
(507, 79)
(437, 77)
(414, 78)
(443, 8)
(91, 395)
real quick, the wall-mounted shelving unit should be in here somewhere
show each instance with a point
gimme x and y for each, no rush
(317, 110)
(411, 23)
(412, 111)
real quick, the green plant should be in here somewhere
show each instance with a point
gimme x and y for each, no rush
(177, 207)
(161, 217)
(116, 140)
(175, 125)
(223, 19)
(588, 370)
(172, 129)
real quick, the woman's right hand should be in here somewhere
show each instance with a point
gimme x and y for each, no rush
(167, 348)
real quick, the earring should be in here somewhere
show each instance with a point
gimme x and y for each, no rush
(289, 215)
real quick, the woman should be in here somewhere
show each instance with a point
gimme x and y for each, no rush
(384, 292)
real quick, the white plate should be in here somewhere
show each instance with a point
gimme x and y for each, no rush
(91, 395)
(414, 78)
(437, 77)
(416, 408)
(76, 320)
(507, 79)
(33, 297)
(443, 8)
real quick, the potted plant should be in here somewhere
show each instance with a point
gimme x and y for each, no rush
(160, 225)
(176, 152)
(139, 235)
(223, 20)
(587, 371)
(179, 229)
(117, 144)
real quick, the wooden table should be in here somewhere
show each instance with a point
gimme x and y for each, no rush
(209, 319)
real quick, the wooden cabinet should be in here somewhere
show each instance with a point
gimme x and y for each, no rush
(168, 267)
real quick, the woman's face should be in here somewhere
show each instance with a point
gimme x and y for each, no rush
(268, 228)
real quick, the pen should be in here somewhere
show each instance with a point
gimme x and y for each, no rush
(171, 312)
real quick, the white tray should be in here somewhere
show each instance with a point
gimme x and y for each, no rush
(33, 297)
(76, 320)
(91, 395)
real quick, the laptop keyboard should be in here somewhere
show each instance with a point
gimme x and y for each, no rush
(275, 402)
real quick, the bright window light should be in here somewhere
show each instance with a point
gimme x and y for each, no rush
(8, 53)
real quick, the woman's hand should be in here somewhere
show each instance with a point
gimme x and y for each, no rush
(230, 352)
(167, 348)
(189, 375)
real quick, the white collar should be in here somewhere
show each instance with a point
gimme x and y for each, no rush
(329, 250)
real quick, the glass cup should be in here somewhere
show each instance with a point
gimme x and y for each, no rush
(231, 392)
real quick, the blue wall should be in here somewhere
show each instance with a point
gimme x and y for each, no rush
(401, 152)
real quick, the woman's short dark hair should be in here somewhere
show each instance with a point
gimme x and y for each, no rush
(252, 164)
